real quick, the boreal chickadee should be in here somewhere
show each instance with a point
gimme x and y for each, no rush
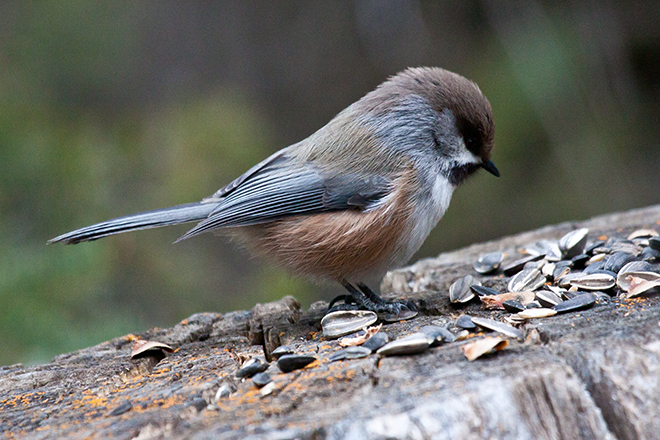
(356, 198)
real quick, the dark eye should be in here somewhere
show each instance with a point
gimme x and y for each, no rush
(470, 143)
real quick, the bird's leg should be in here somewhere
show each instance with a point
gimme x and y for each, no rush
(393, 310)
(366, 299)
(370, 294)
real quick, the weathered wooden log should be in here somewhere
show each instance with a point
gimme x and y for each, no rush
(593, 374)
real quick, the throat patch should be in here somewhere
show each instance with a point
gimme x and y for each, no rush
(459, 173)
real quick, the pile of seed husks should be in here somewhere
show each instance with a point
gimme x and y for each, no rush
(555, 276)
(567, 275)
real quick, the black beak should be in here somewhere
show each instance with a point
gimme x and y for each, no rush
(490, 167)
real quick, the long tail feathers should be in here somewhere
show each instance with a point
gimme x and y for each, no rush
(151, 219)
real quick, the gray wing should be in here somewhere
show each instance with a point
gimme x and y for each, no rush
(225, 190)
(280, 188)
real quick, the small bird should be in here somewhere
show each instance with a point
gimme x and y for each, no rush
(356, 198)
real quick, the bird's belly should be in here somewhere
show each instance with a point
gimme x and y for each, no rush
(335, 245)
(352, 244)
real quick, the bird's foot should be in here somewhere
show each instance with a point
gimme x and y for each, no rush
(366, 299)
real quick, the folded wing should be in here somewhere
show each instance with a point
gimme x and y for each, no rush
(282, 188)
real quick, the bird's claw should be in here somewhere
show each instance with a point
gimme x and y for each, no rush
(398, 311)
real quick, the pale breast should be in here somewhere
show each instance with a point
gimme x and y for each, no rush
(429, 209)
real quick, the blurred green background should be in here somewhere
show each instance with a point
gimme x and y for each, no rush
(108, 108)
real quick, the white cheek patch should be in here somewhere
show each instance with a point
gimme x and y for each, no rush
(465, 156)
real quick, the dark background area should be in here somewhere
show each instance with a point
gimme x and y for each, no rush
(108, 108)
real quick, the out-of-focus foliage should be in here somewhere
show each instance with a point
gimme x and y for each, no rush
(112, 108)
